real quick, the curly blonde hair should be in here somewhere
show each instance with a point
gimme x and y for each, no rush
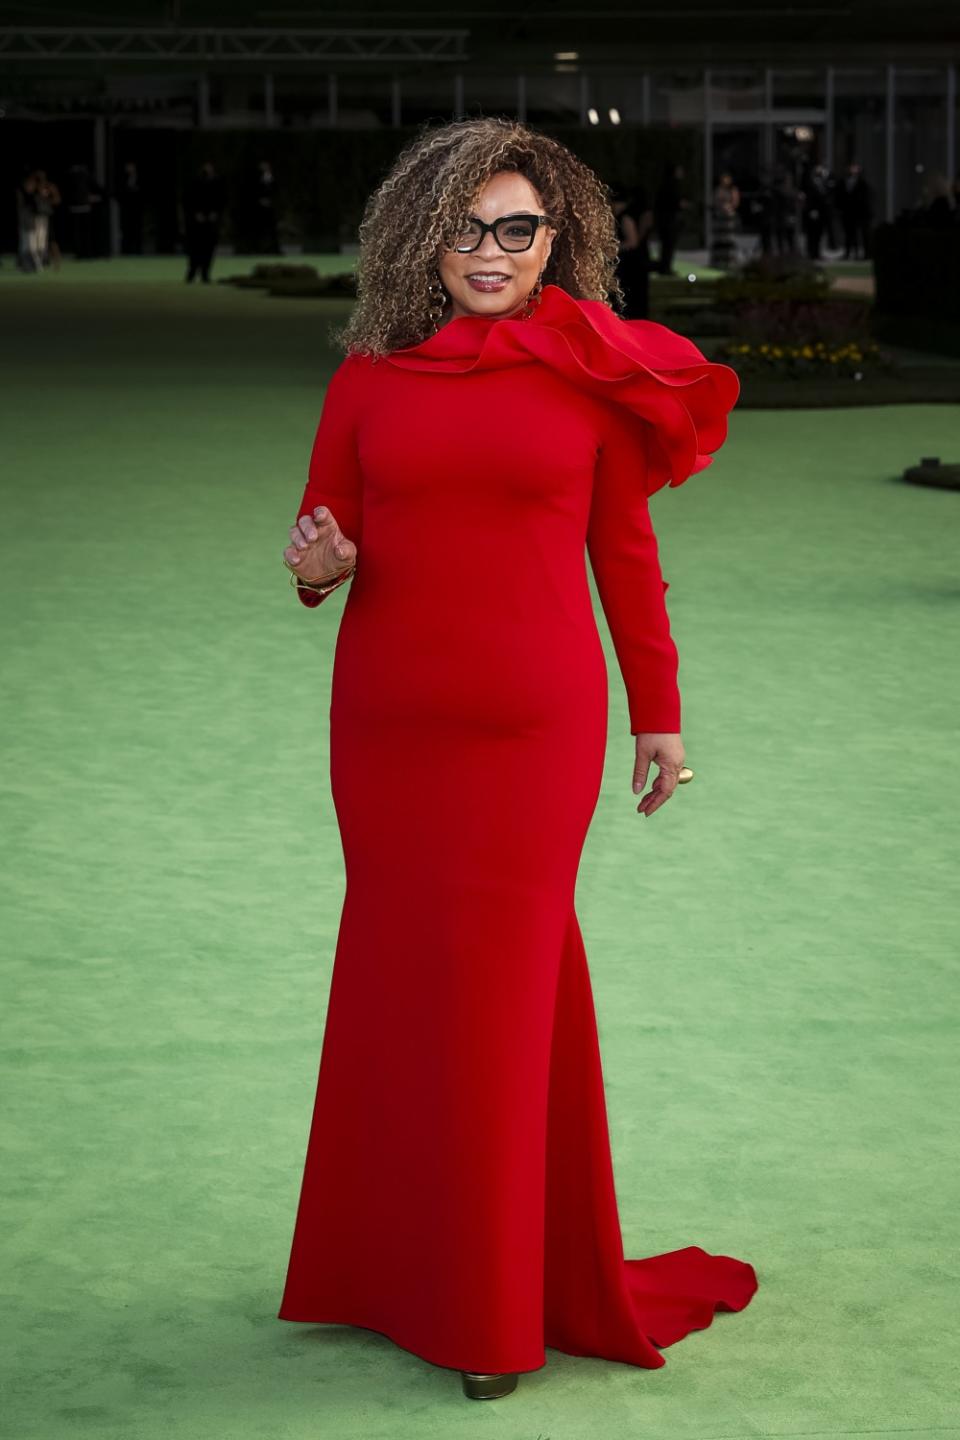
(421, 205)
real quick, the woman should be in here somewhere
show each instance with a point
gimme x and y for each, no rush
(29, 256)
(47, 200)
(491, 417)
(726, 203)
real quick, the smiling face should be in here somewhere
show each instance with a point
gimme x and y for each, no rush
(506, 193)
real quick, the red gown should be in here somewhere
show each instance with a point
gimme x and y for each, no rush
(458, 1193)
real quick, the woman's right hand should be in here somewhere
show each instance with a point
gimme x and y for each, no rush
(319, 550)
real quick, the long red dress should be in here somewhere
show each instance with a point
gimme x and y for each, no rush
(458, 1193)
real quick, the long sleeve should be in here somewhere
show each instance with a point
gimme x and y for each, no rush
(625, 560)
(334, 478)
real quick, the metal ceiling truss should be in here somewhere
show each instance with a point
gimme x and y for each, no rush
(209, 45)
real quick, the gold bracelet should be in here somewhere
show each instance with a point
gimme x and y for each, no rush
(319, 587)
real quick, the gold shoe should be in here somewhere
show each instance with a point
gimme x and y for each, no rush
(487, 1387)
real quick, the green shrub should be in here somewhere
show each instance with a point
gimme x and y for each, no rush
(773, 277)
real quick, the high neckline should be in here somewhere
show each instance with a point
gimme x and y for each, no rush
(452, 337)
(659, 376)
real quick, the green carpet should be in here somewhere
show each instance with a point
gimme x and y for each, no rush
(774, 954)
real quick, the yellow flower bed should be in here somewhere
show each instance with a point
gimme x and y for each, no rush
(806, 358)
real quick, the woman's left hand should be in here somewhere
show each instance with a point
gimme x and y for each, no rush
(665, 751)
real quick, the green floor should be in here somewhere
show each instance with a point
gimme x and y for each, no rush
(774, 955)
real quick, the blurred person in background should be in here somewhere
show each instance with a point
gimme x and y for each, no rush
(669, 205)
(855, 207)
(817, 203)
(130, 203)
(100, 216)
(47, 200)
(940, 205)
(37, 198)
(267, 238)
(81, 197)
(26, 196)
(634, 220)
(726, 204)
(786, 212)
(761, 211)
(203, 211)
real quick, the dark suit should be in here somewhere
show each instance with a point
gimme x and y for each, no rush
(203, 207)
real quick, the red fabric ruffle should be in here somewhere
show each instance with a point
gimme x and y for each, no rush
(659, 376)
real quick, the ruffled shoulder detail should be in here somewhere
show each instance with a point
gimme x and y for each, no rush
(659, 376)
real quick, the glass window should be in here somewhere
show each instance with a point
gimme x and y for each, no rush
(677, 97)
(732, 91)
(920, 140)
(859, 128)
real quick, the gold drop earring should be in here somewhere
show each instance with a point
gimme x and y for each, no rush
(437, 300)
